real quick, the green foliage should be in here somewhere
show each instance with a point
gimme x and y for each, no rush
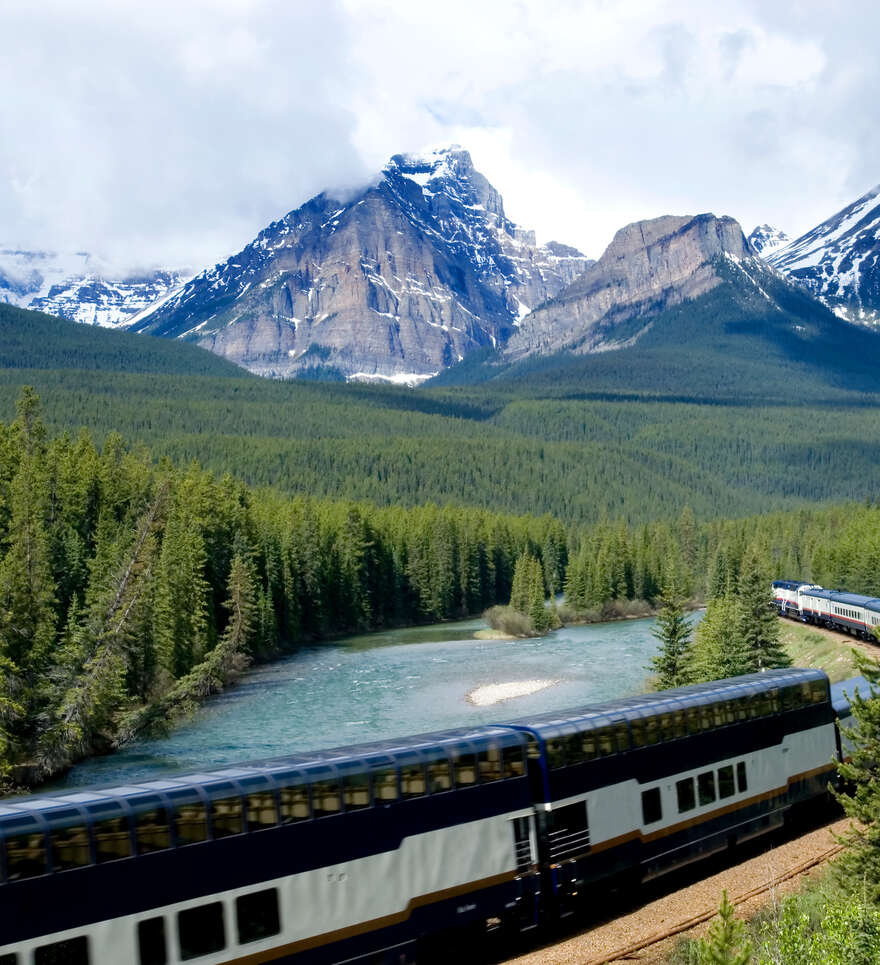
(861, 775)
(673, 632)
(758, 625)
(129, 590)
(726, 942)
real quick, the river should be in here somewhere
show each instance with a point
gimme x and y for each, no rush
(386, 684)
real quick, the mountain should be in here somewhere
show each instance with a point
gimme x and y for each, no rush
(79, 287)
(395, 283)
(839, 260)
(766, 239)
(648, 267)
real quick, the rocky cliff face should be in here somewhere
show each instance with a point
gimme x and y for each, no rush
(648, 267)
(838, 261)
(395, 283)
(79, 287)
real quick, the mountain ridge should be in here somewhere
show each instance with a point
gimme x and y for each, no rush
(331, 285)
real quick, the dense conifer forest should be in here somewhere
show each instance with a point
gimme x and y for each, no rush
(165, 518)
(528, 445)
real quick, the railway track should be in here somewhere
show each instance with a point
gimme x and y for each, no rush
(647, 934)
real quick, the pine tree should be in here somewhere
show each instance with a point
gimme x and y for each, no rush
(673, 631)
(725, 943)
(861, 859)
(758, 624)
(718, 649)
(520, 591)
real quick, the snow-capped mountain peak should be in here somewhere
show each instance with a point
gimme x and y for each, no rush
(396, 282)
(766, 239)
(839, 260)
(81, 286)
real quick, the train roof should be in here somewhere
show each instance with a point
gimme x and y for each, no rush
(849, 599)
(59, 808)
(647, 705)
(790, 584)
(842, 692)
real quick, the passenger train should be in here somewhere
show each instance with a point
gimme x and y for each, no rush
(835, 609)
(395, 851)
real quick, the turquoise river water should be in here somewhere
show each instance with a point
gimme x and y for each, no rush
(386, 684)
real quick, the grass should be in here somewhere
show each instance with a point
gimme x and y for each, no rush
(809, 647)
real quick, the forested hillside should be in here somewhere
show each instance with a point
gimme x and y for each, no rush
(536, 445)
(129, 590)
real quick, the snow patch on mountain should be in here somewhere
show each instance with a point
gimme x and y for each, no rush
(839, 260)
(766, 239)
(82, 287)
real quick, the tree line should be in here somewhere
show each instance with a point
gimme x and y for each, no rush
(130, 589)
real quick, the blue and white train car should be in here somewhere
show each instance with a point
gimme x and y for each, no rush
(347, 855)
(646, 784)
(836, 609)
(395, 851)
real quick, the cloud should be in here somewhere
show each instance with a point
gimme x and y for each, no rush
(171, 133)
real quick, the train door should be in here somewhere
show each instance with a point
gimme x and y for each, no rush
(528, 898)
(568, 841)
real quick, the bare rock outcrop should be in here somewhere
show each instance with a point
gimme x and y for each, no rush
(648, 267)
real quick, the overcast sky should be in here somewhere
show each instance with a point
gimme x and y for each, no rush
(172, 132)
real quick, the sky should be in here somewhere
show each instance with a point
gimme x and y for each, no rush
(170, 133)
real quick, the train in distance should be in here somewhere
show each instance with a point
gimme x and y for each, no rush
(852, 613)
(399, 851)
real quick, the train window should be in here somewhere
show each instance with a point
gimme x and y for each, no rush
(112, 840)
(685, 790)
(679, 727)
(25, 856)
(70, 848)
(260, 810)
(667, 728)
(621, 736)
(773, 700)
(490, 764)
(741, 783)
(294, 804)
(200, 931)
(753, 706)
(574, 749)
(652, 730)
(717, 711)
(152, 949)
(741, 708)
(356, 791)
(72, 951)
(385, 785)
(227, 817)
(514, 765)
(818, 693)
(556, 753)
(325, 798)
(191, 822)
(725, 781)
(652, 810)
(257, 916)
(152, 832)
(789, 698)
(589, 749)
(706, 787)
(694, 722)
(599, 743)
(412, 780)
(464, 767)
(637, 727)
(439, 776)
